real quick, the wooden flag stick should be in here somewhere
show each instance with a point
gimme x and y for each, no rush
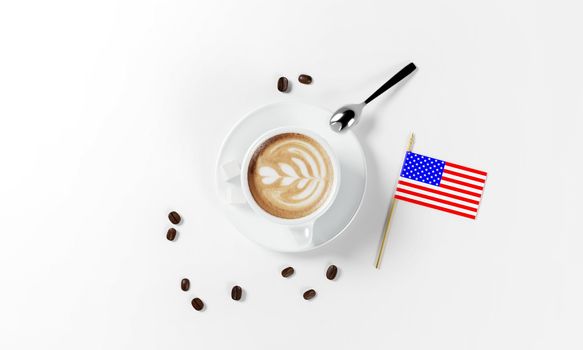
(390, 214)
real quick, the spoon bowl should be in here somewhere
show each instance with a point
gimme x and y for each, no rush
(346, 117)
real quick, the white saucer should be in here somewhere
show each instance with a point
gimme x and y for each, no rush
(347, 149)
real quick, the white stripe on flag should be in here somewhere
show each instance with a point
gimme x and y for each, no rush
(459, 178)
(465, 188)
(466, 172)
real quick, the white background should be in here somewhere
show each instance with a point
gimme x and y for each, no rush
(112, 114)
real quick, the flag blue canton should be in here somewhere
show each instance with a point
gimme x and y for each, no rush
(423, 169)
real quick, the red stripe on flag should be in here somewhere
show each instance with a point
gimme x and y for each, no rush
(466, 168)
(447, 187)
(461, 183)
(435, 199)
(404, 183)
(446, 171)
(435, 207)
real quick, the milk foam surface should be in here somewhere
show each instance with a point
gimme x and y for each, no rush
(290, 175)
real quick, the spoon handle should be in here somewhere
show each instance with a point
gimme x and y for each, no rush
(408, 69)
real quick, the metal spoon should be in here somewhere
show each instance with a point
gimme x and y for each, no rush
(347, 116)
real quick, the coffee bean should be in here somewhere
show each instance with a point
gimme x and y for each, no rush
(305, 79)
(185, 284)
(236, 293)
(331, 272)
(309, 294)
(171, 234)
(174, 217)
(197, 304)
(282, 84)
(288, 271)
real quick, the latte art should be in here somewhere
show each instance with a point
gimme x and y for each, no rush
(290, 175)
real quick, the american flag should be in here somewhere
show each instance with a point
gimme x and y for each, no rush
(441, 185)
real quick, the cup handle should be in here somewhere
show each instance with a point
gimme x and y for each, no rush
(304, 234)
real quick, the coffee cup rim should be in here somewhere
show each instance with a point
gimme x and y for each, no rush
(283, 221)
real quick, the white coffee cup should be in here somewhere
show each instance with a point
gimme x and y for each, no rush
(302, 228)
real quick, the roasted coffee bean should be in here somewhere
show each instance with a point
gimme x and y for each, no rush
(236, 293)
(174, 217)
(305, 79)
(282, 84)
(331, 272)
(288, 271)
(171, 234)
(197, 304)
(185, 284)
(309, 294)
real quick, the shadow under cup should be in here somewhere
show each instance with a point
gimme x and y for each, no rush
(302, 224)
